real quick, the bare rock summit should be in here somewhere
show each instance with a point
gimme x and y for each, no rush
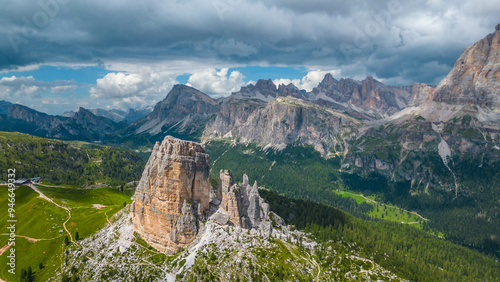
(173, 194)
(475, 78)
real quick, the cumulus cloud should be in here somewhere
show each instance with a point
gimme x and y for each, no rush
(134, 90)
(309, 81)
(45, 96)
(217, 83)
(26, 87)
(383, 37)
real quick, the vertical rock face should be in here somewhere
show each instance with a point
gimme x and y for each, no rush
(283, 121)
(475, 78)
(172, 195)
(242, 203)
(369, 96)
(420, 94)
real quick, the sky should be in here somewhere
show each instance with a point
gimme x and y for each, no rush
(58, 55)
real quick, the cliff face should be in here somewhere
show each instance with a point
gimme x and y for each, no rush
(280, 122)
(172, 195)
(475, 78)
(369, 97)
(241, 204)
(420, 94)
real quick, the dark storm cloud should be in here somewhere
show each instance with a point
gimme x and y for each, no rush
(360, 37)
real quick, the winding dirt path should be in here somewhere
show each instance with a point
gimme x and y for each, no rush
(107, 218)
(4, 249)
(313, 261)
(60, 206)
(33, 240)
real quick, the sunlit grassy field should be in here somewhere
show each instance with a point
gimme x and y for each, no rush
(40, 228)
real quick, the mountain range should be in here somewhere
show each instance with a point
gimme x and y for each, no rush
(117, 115)
(426, 142)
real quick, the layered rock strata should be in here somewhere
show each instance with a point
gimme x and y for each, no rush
(475, 78)
(172, 195)
(281, 122)
(241, 204)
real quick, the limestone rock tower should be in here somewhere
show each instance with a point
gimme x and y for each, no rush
(172, 195)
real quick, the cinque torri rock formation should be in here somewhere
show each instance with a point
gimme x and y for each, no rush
(241, 205)
(172, 195)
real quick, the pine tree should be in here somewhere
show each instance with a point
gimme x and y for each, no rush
(29, 276)
(23, 274)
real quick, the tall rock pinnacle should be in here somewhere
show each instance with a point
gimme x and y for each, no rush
(172, 195)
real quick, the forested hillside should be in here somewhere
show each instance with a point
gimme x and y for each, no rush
(410, 253)
(300, 172)
(297, 172)
(63, 162)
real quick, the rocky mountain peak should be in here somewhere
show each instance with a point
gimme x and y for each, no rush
(264, 90)
(266, 85)
(83, 113)
(183, 104)
(328, 81)
(172, 195)
(181, 92)
(288, 90)
(475, 77)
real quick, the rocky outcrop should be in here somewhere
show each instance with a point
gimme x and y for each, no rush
(234, 113)
(184, 107)
(279, 123)
(368, 98)
(241, 204)
(475, 78)
(172, 195)
(264, 90)
(289, 90)
(420, 94)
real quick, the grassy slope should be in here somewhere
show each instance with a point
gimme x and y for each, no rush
(40, 219)
(383, 211)
(470, 217)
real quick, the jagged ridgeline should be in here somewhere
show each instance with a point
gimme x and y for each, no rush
(67, 162)
(241, 232)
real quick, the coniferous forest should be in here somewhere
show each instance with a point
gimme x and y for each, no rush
(302, 173)
(410, 253)
(68, 162)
